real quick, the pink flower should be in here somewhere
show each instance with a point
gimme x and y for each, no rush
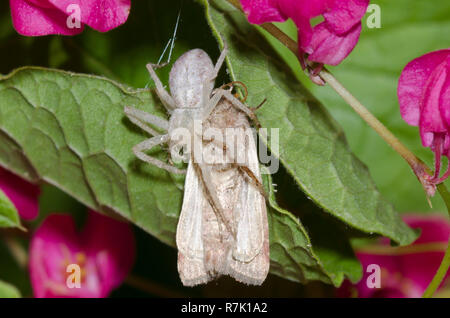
(104, 251)
(405, 271)
(67, 17)
(22, 194)
(328, 42)
(424, 97)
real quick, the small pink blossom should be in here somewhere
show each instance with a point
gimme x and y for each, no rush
(328, 42)
(104, 250)
(43, 17)
(22, 194)
(424, 97)
(407, 271)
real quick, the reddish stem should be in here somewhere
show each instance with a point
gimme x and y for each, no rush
(445, 176)
(437, 155)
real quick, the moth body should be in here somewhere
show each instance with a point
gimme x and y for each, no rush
(245, 255)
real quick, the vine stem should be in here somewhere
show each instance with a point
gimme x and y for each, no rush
(445, 264)
(370, 119)
(420, 169)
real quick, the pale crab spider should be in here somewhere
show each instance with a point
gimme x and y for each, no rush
(191, 83)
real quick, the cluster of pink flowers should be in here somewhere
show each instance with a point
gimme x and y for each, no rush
(424, 96)
(328, 42)
(104, 250)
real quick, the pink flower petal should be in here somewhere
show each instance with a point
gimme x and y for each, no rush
(330, 41)
(421, 267)
(405, 274)
(342, 16)
(430, 121)
(51, 249)
(444, 102)
(305, 34)
(112, 242)
(101, 15)
(32, 20)
(435, 227)
(41, 3)
(305, 8)
(330, 48)
(412, 83)
(393, 278)
(104, 250)
(301, 12)
(22, 194)
(262, 11)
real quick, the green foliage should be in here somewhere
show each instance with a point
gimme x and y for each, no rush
(8, 291)
(8, 213)
(69, 130)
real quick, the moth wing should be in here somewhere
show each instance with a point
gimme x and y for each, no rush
(189, 232)
(250, 256)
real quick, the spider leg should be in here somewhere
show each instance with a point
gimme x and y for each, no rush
(220, 60)
(150, 143)
(141, 118)
(210, 105)
(242, 167)
(215, 99)
(165, 98)
(253, 179)
(204, 172)
(241, 106)
(206, 92)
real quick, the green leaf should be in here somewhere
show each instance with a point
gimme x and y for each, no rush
(8, 291)
(313, 147)
(73, 133)
(8, 213)
(295, 256)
